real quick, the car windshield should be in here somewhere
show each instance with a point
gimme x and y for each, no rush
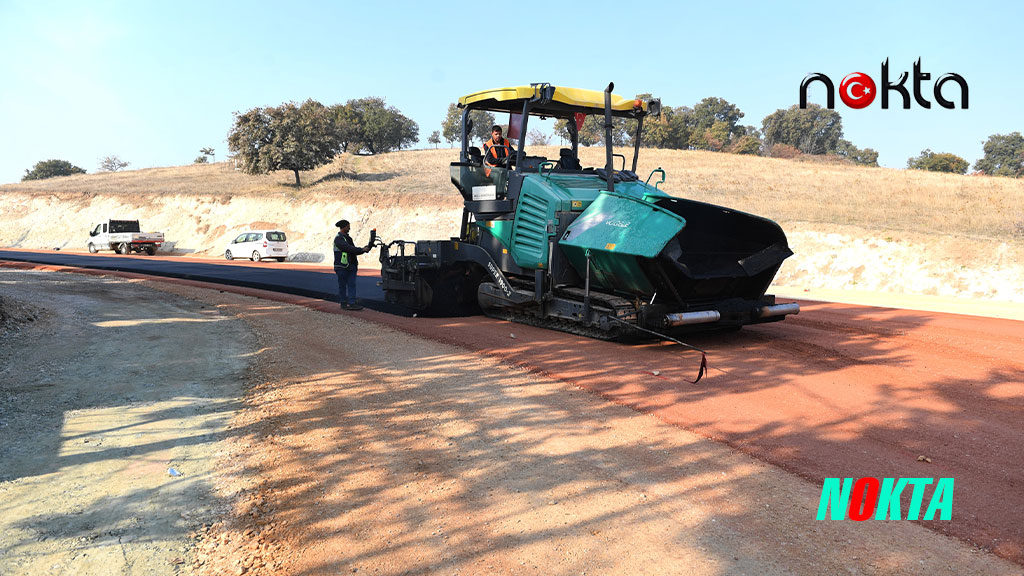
(276, 236)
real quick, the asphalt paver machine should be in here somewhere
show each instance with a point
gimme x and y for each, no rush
(599, 251)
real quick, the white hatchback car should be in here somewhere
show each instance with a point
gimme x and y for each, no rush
(257, 245)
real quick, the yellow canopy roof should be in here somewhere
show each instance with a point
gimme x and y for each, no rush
(564, 99)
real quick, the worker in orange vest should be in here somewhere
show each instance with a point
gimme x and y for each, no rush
(497, 150)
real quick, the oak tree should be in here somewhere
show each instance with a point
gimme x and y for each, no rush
(51, 169)
(287, 137)
(938, 162)
(451, 127)
(1004, 156)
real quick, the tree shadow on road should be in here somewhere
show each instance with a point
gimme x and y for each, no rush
(458, 468)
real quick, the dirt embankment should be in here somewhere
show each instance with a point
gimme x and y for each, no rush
(204, 225)
(850, 258)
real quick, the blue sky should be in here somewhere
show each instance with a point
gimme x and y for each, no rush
(155, 82)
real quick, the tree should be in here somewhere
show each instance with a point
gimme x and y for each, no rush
(385, 128)
(347, 124)
(201, 160)
(51, 169)
(112, 164)
(435, 138)
(748, 131)
(451, 127)
(715, 137)
(746, 144)
(671, 130)
(287, 137)
(537, 138)
(208, 152)
(812, 130)
(862, 156)
(370, 124)
(938, 162)
(711, 110)
(1004, 156)
(713, 122)
(592, 133)
(656, 130)
(865, 157)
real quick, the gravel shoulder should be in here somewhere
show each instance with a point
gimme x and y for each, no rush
(105, 385)
(357, 448)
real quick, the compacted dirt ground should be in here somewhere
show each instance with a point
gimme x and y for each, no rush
(105, 386)
(357, 448)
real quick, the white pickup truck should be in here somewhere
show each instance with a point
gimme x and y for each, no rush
(124, 237)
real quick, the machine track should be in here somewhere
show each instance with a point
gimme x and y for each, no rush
(602, 304)
(621, 308)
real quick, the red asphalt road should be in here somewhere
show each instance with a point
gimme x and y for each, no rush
(837, 391)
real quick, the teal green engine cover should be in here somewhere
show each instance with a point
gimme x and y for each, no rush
(530, 232)
(540, 200)
(617, 230)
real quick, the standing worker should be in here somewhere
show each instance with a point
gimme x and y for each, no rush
(346, 264)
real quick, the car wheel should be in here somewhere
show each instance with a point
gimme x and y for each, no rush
(281, 259)
(256, 256)
(228, 256)
(151, 250)
(125, 248)
(92, 248)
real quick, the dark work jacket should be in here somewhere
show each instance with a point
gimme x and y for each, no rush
(342, 244)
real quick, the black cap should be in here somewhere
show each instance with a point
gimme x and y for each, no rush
(341, 223)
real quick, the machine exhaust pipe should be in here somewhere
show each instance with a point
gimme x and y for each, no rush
(778, 310)
(684, 318)
(608, 135)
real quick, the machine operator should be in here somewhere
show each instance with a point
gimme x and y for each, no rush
(497, 150)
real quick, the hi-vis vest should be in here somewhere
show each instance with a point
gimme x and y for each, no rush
(341, 258)
(493, 150)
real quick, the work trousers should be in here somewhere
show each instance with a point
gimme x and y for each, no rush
(346, 284)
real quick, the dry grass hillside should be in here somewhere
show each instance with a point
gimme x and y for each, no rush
(865, 228)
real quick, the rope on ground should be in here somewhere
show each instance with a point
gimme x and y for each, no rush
(703, 355)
